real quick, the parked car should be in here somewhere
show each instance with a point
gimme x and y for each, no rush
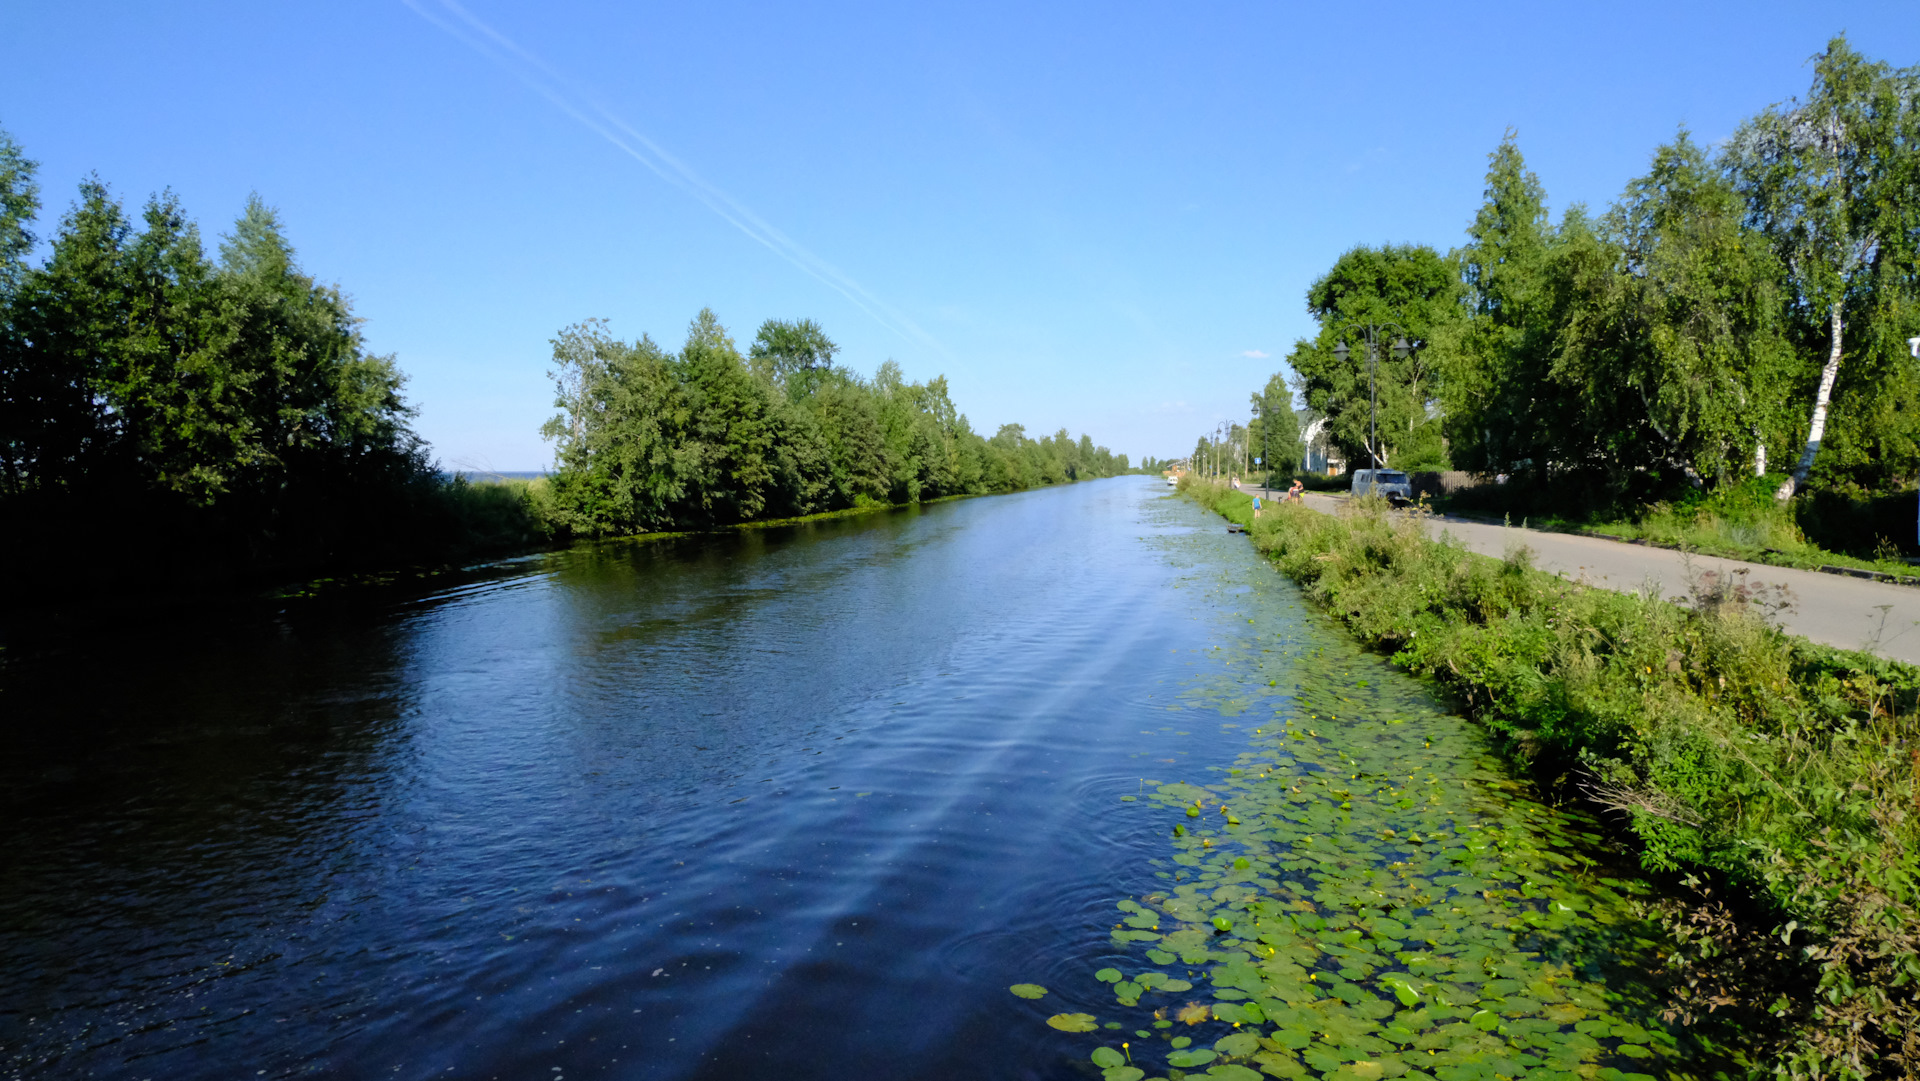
(1392, 483)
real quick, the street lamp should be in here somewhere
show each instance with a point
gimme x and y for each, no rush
(1266, 465)
(1400, 351)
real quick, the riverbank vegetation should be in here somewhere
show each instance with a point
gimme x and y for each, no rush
(1777, 778)
(1741, 309)
(652, 440)
(179, 421)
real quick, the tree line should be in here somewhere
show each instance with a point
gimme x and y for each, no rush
(174, 418)
(648, 439)
(1739, 310)
(171, 416)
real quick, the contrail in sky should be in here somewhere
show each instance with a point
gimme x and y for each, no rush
(564, 95)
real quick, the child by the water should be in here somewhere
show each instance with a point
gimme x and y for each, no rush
(1256, 506)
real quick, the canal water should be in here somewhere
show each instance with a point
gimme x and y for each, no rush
(1064, 784)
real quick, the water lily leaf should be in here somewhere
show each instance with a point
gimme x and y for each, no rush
(1176, 985)
(1107, 1057)
(1123, 1073)
(1237, 1045)
(1192, 1013)
(1108, 975)
(1484, 1020)
(1181, 1041)
(1231, 1072)
(1401, 989)
(1073, 1022)
(1222, 924)
(1194, 1057)
(1292, 1038)
(1028, 990)
(1162, 957)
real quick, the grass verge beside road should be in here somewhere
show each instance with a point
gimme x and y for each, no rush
(1739, 521)
(1780, 778)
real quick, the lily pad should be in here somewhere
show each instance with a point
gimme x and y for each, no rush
(1228, 1071)
(1108, 975)
(1192, 1057)
(1123, 1073)
(1073, 1022)
(1028, 990)
(1107, 1057)
(1237, 1045)
(1192, 1013)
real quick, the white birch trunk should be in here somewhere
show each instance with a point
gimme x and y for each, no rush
(1818, 428)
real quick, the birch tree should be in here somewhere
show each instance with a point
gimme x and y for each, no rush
(1830, 182)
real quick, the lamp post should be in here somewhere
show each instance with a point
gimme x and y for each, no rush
(1913, 347)
(1266, 447)
(1400, 351)
(1266, 470)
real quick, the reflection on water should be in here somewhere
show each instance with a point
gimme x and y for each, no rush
(802, 799)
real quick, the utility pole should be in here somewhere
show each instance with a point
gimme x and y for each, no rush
(1400, 351)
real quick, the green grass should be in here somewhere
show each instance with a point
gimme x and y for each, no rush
(1779, 776)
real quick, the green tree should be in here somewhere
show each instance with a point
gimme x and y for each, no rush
(1492, 365)
(623, 461)
(19, 205)
(792, 354)
(1275, 431)
(1411, 285)
(1672, 355)
(1832, 183)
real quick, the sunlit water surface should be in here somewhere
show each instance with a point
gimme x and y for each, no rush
(799, 802)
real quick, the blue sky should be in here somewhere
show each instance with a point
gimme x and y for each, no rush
(1097, 216)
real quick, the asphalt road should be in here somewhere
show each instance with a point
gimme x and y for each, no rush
(1851, 613)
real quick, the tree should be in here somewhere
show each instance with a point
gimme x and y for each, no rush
(1411, 285)
(1494, 364)
(619, 438)
(791, 354)
(1275, 431)
(1831, 182)
(19, 205)
(1671, 355)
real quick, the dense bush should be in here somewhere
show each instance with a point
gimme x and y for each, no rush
(1786, 772)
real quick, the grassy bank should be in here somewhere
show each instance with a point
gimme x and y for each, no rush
(1778, 779)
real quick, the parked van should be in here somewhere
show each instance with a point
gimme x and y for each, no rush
(1392, 483)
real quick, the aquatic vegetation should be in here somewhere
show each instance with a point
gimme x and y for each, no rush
(1383, 901)
(1361, 889)
(1778, 775)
